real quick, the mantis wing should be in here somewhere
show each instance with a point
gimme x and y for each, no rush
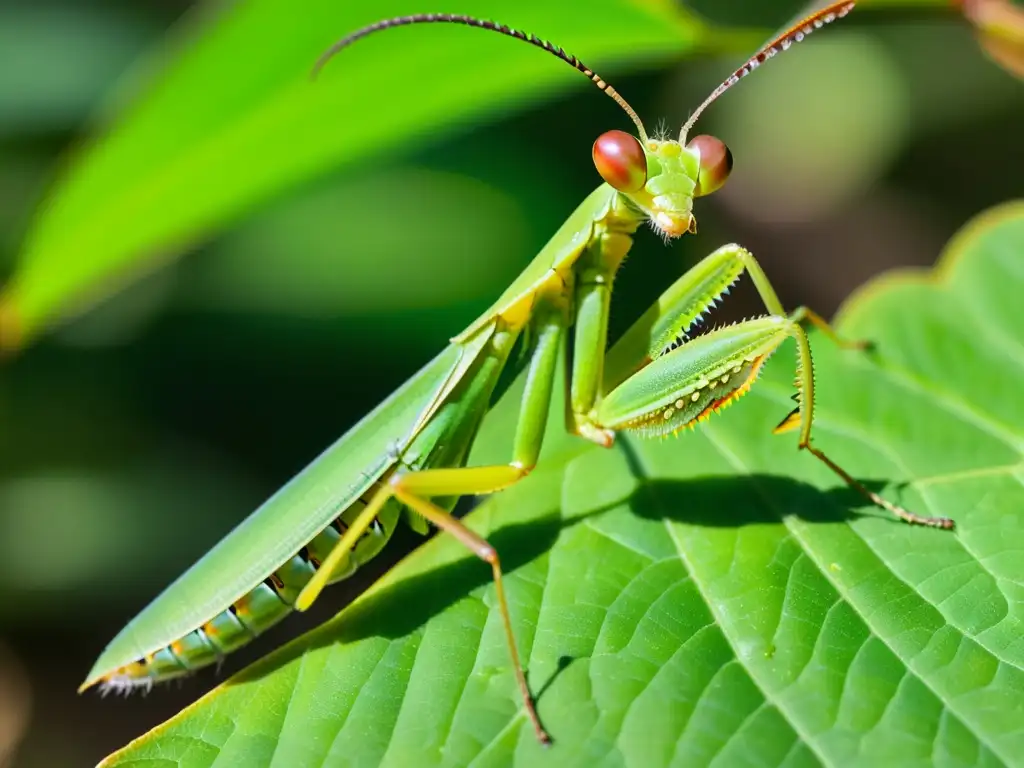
(292, 516)
(558, 254)
(306, 505)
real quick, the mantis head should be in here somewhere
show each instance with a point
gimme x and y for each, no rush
(660, 177)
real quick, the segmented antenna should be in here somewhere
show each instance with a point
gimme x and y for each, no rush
(794, 34)
(469, 21)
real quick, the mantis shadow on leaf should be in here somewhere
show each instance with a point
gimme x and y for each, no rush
(406, 605)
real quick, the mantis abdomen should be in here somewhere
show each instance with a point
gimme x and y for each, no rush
(443, 442)
(261, 607)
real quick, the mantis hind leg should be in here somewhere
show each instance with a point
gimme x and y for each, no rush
(413, 488)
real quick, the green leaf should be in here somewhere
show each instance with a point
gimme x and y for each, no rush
(236, 120)
(296, 247)
(55, 61)
(721, 598)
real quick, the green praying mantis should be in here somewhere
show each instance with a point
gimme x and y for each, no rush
(408, 457)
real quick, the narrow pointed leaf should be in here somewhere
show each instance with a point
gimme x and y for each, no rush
(235, 119)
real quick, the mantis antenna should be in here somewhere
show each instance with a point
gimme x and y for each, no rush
(782, 42)
(492, 26)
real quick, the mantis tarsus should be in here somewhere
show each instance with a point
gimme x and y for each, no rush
(408, 457)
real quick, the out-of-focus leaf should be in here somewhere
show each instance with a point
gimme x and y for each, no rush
(1000, 25)
(15, 705)
(235, 120)
(344, 249)
(22, 175)
(718, 599)
(848, 124)
(67, 532)
(55, 62)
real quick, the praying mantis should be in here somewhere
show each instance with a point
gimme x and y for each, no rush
(407, 459)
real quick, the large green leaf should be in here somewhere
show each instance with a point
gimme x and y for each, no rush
(718, 599)
(236, 120)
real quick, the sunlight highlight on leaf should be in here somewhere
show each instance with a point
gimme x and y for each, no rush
(227, 126)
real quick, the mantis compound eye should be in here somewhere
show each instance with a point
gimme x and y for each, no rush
(715, 163)
(621, 161)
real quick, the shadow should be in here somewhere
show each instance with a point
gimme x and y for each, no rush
(734, 500)
(728, 500)
(406, 606)
(564, 662)
(872, 352)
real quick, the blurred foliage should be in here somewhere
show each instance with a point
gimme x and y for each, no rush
(15, 704)
(257, 126)
(1000, 25)
(137, 435)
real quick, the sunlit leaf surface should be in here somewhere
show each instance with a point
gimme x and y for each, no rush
(717, 599)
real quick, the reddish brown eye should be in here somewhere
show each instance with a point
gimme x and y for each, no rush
(621, 161)
(715, 163)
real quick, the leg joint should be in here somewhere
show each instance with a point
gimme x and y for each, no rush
(523, 467)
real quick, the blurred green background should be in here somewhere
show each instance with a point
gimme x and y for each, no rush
(133, 437)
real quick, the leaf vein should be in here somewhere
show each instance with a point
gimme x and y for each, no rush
(741, 467)
(702, 588)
